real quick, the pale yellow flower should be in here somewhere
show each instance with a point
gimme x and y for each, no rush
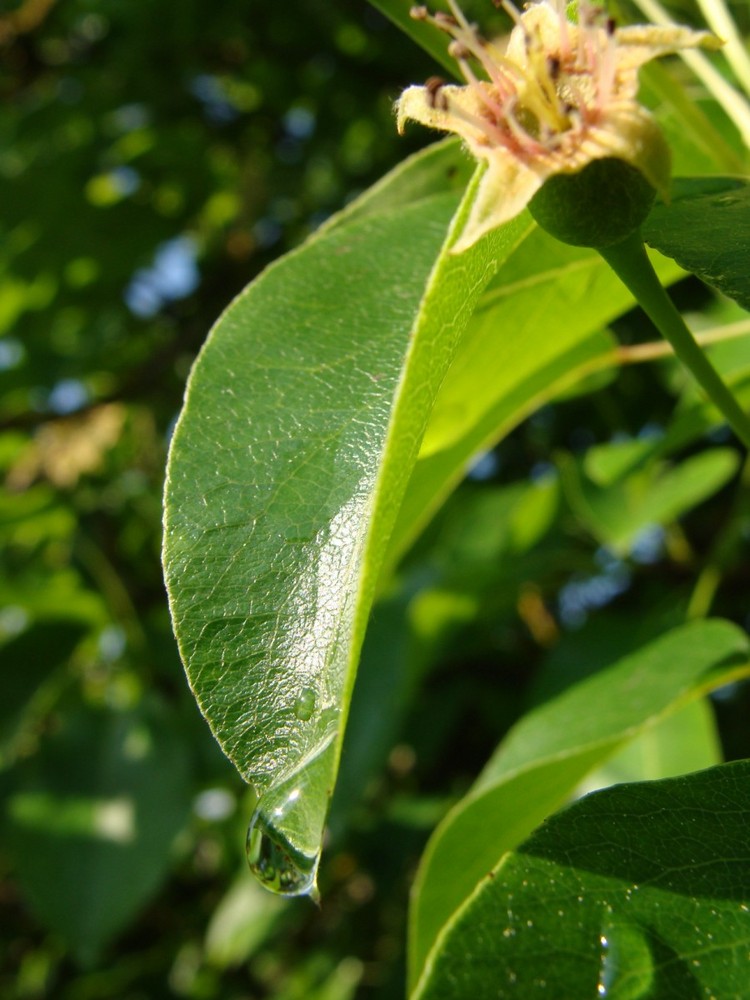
(558, 95)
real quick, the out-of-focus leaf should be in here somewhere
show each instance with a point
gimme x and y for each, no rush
(547, 754)
(640, 890)
(696, 144)
(241, 922)
(683, 742)
(704, 228)
(26, 661)
(90, 821)
(617, 512)
(695, 416)
(385, 681)
(311, 983)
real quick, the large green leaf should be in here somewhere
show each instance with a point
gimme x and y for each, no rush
(90, 821)
(704, 228)
(547, 754)
(302, 422)
(638, 891)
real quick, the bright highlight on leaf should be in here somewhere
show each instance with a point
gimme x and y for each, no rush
(559, 96)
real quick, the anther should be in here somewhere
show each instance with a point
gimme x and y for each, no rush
(457, 50)
(444, 20)
(419, 13)
(433, 86)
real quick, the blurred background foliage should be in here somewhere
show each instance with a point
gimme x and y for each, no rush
(153, 158)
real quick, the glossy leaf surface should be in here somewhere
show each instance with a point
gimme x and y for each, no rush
(302, 422)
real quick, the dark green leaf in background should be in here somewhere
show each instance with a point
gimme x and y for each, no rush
(91, 820)
(637, 892)
(545, 756)
(27, 661)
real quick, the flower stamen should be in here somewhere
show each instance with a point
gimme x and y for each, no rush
(557, 95)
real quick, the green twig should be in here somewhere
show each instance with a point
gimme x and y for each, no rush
(630, 263)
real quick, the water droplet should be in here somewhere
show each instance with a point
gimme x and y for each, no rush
(607, 967)
(273, 858)
(286, 830)
(625, 964)
(304, 706)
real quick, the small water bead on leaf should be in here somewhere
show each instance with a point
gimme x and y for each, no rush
(304, 706)
(626, 969)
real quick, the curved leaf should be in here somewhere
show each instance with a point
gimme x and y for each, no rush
(617, 512)
(302, 422)
(636, 891)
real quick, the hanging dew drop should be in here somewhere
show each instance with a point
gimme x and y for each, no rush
(275, 862)
(286, 830)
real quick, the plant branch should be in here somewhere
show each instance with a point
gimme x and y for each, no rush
(655, 349)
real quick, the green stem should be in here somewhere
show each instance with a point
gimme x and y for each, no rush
(630, 263)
